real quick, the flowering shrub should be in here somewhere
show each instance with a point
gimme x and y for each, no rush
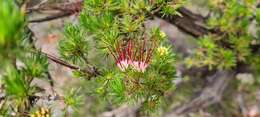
(118, 59)
(119, 32)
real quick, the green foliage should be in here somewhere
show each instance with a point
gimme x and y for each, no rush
(111, 26)
(95, 24)
(132, 86)
(170, 9)
(75, 47)
(111, 86)
(258, 15)
(256, 68)
(256, 59)
(232, 20)
(119, 20)
(17, 79)
(258, 25)
(212, 55)
(227, 15)
(36, 65)
(15, 83)
(73, 99)
(117, 88)
(163, 61)
(157, 34)
(11, 22)
(133, 63)
(241, 45)
(18, 89)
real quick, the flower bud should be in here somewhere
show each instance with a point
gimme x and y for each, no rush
(162, 34)
(162, 51)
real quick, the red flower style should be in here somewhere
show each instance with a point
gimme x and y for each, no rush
(134, 55)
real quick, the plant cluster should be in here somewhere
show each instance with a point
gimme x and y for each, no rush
(21, 64)
(139, 67)
(231, 43)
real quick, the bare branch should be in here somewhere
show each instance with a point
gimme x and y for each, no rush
(65, 9)
(188, 22)
(91, 70)
(211, 94)
(52, 17)
(61, 62)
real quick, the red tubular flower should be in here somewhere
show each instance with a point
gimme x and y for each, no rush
(133, 54)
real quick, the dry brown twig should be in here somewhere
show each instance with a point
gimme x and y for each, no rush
(211, 94)
(64, 10)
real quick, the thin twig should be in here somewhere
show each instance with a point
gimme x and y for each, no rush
(61, 62)
(52, 17)
(65, 9)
